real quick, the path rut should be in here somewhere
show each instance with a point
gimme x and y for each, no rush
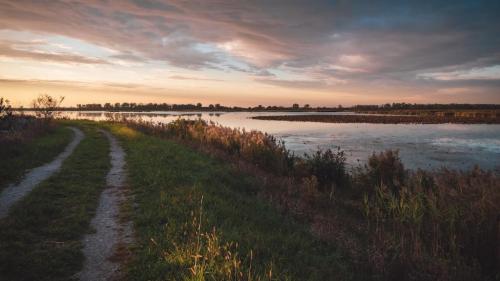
(110, 232)
(16, 192)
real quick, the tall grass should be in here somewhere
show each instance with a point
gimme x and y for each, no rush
(443, 223)
(256, 147)
(209, 258)
(418, 225)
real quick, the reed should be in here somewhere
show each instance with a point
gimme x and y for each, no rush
(445, 217)
(260, 149)
(418, 225)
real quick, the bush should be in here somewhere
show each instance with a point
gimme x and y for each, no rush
(328, 167)
(386, 169)
(5, 114)
(45, 106)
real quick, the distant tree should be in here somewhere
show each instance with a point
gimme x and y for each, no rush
(295, 106)
(45, 106)
(307, 106)
(199, 105)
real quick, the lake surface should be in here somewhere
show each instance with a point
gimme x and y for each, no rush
(455, 146)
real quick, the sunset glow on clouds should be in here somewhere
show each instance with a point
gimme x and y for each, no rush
(250, 52)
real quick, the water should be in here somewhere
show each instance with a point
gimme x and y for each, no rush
(455, 146)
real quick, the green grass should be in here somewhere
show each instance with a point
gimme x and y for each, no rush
(41, 237)
(168, 181)
(36, 152)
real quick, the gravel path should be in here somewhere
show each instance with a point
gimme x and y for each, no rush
(16, 192)
(101, 248)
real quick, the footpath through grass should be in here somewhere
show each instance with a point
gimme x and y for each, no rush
(41, 238)
(16, 159)
(196, 218)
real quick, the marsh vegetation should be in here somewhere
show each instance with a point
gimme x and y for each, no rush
(411, 225)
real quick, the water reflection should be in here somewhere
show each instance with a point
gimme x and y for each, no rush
(421, 146)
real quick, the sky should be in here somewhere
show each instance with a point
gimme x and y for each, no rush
(246, 53)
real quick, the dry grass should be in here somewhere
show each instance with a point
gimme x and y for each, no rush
(397, 224)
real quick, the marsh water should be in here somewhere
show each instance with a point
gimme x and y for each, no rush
(455, 146)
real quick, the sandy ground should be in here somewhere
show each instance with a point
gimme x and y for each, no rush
(16, 192)
(101, 249)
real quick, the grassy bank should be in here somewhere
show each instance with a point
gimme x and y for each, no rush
(40, 239)
(24, 153)
(197, 218)
(387, 119)
(395, 223)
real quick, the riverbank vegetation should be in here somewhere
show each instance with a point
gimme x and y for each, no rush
(199, 218)
(395, 117)
(396, 224)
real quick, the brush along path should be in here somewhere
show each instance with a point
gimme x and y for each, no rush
(14, 192)
(102, 245)
(31, 150)
(41, 238)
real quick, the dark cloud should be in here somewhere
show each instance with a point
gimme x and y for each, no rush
(355, 41)
(297, 84)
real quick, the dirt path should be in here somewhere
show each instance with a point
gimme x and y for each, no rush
(16, 192)
(101, 247)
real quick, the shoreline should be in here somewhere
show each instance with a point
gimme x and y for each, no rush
(379, 119)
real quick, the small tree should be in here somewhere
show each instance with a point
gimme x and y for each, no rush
(5, 108)
(45, 106)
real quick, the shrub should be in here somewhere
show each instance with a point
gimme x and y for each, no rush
(328, 167)
(45, 106)
(5, 114)
(5, 108)
(386, 169)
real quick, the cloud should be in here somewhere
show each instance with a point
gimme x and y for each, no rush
(355, 42)
(296, 84)
(9, 49)
(180, 77)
